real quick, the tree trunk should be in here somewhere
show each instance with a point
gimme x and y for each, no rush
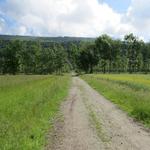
(91, 69)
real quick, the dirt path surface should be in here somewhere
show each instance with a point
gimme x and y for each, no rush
(93, 123)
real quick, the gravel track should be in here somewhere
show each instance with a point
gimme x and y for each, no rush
(93, 123)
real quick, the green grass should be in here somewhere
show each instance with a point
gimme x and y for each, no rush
(96, 123)
(130, 92)
(28, 105)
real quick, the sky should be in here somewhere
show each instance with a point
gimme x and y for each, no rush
(85, 18)
(119, 6)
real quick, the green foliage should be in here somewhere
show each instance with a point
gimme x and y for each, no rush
(88, 57)
(9, 59)
(37, 55)
(73, 53)
(32, 58)
(130, 55)
(28, 105)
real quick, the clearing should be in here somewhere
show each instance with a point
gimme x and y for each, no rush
(93, 123)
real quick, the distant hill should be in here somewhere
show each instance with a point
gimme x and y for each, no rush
(45, 39)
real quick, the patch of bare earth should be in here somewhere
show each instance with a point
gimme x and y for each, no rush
(93, 123)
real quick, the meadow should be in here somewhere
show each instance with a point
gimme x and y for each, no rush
(130, 92)
(28, 105)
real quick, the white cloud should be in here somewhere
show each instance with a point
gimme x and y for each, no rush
(2, 24)
(76, 18)
(65, 17)
(138, 16)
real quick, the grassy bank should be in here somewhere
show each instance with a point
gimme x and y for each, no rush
(130, 92)
(28, 105)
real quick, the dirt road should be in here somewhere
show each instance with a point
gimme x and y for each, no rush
(93, 123)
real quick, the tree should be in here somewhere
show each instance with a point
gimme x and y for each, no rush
(103, 45)
(10, 57)
(146, 57)
(73, 53)
(133, 46)
(88, 57)
(60, 58)
(29, 57)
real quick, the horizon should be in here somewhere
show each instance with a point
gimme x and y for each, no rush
(34, 36)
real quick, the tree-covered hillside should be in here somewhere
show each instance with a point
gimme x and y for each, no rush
(45, 39)
(46, 55)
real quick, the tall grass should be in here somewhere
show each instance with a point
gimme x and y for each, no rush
(28, 105)
(130, 92)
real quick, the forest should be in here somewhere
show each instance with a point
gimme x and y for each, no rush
(103, 54)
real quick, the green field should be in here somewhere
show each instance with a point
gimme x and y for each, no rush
(28, 105)
(130, 92)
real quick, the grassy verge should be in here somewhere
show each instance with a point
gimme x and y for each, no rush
(96, 123)
(28, 105)
(94, 119)
(130, 92)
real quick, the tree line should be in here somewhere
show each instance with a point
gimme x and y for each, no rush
(105, 54)
(31, 57)
(109, 55)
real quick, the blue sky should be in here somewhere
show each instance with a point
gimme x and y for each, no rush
(2, 1)
(118, 5)
(89, 18)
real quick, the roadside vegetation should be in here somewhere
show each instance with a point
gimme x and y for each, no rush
(28, 105)
(130, 92)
